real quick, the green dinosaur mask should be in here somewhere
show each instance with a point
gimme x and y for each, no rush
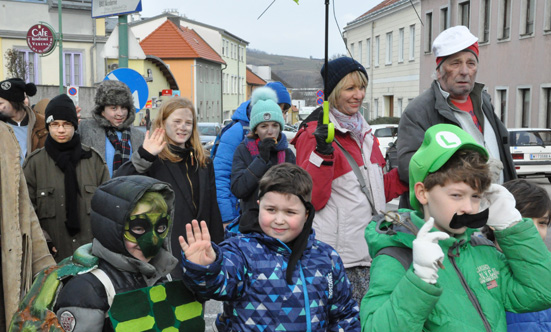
(148, 230)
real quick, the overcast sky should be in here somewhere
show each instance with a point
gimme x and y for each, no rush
(285, 28)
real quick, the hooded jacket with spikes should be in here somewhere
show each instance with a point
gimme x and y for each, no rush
(474, 290)
(249, 274)
(112, 205)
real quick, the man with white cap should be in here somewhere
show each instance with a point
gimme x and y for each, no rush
(455, 98)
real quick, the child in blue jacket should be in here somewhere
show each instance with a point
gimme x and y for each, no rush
(273, 275)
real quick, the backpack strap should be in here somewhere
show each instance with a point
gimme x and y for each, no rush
(107, 283)
(401, 254)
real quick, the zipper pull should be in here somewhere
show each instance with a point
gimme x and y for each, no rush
(191, 155)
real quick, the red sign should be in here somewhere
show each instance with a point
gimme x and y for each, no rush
(166, 92)
(40, 39)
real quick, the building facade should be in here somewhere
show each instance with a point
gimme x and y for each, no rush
(232, 49)
(514, 39)
(385, 40)
(83, 40)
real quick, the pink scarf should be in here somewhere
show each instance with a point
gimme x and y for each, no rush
(354, 123)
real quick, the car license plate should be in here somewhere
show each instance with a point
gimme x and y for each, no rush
(540, 156)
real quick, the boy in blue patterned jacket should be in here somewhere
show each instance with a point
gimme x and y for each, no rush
(273, 275)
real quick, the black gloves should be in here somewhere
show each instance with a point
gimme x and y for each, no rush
(266, 147)
(321, 135)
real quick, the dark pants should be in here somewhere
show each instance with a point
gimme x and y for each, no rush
(359, 278)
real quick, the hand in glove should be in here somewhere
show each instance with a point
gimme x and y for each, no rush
(427, 253)
(265, 148)
(502, 207)
(320, 134)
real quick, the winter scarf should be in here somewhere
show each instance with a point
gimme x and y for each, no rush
(122, 146)
(354, 123)
(252, 147)
(190, 168)
(66, 157)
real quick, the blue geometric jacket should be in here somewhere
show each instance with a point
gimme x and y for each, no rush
(249, 276)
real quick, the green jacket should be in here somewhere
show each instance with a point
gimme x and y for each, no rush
(46, 185)
(474, 290)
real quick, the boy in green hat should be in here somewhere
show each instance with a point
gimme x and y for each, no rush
(430, 271)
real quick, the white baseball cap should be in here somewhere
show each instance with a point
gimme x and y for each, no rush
(453, 40)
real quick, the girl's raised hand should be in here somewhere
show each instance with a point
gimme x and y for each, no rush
(155, 142)
(198, 248)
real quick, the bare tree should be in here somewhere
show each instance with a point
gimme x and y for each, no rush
(15, 63)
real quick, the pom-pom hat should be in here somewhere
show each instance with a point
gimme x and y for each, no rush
(14, 89)
(440, 143)
(265, 108)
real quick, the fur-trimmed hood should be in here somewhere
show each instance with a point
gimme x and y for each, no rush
(113, 93)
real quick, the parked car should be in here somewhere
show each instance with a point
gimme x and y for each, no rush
(385, 134)
(290, 132)
(531, 151)
(208, 131)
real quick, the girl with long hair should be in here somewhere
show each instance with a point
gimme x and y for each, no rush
(173, 153)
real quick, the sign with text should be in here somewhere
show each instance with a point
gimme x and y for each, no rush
(104, 8)
(40, 38)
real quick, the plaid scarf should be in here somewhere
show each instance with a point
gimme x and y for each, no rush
(122, 147)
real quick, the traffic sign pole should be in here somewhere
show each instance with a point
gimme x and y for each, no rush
(123, 41)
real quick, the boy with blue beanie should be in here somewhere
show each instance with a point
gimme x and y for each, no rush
(430, 271)
(225, 148)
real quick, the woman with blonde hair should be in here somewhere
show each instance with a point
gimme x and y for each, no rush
(173, 153)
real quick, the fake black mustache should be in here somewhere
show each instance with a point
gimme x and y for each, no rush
(470, 220)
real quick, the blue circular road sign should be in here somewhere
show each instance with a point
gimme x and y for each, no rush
(136, 83)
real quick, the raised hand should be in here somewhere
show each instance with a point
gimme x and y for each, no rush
(154, 143)
(427, 253)
(321, 133)
(503, 212)
(198, 248)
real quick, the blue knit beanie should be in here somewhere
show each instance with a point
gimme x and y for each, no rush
(265, 108)
(282, 93)
(338, 69)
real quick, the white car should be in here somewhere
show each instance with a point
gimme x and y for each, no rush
(385, 134)
(531, 151)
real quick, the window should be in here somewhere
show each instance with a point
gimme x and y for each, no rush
(464, 11)
(444, 19)
(504, 19)
(377, 47)
(31, 62)
(428, 32)
(368, 52)
(360, 52)
(375, 108)
(401, 45)
(528, 9)
(400, 107)
(524, 95)
(388, 48)
(351, 50)
(485, 7)
(501, 105)
(547, 16)
(72, 62)
(223, 48)
(547, 106)
(412, 42)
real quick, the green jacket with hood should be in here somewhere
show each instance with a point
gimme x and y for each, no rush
(474, 290)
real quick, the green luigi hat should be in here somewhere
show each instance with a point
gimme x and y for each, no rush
(440, 143)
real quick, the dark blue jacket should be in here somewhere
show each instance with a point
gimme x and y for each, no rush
(539, 321)
(249, 275)
(247, 171)
(227, 202)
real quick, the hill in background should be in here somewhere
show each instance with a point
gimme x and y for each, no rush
(297, 72)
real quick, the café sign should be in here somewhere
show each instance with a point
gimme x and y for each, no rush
(41, 39)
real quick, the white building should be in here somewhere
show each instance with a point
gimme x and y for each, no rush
(385, 40)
